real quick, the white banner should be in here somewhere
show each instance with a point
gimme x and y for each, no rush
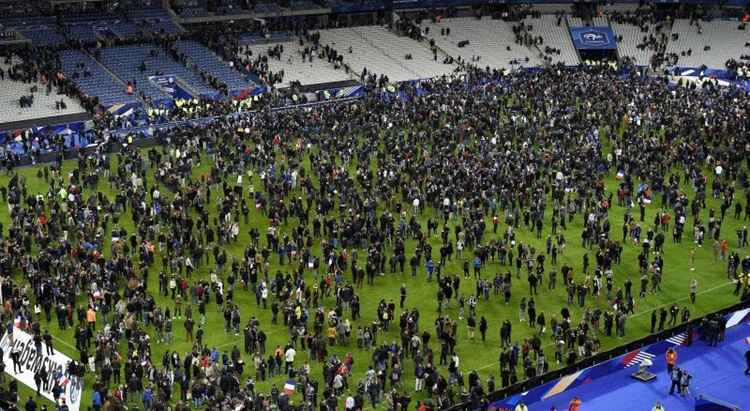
(31, 361)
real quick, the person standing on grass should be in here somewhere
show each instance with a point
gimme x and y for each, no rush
(662, 318)
(693, 290)
(692, 258)
(674, 310)
(289, 355)
(471, 324)
(189, 324)
(483, 328)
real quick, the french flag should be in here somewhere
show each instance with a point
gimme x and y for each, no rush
(290, 387)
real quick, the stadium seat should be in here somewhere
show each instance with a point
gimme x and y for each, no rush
(42, 35)
(366, 53)
(396, 47)
(44, 105)
(206, 60)
(100, 83)
(632, 37)
(155, 20)
(124, 62)
(722, 37)
(295, 69)
(555, 36)
(487, 38)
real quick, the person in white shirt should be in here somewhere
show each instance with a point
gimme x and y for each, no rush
(289, 358)
(349, 403)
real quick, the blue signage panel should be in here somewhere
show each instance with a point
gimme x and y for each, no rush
(593, 38)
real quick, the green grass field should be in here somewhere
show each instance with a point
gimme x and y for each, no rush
(714, 290)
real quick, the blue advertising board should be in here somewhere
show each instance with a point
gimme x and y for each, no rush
(593, 38)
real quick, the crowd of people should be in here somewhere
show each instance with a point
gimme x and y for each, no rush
(445, 184)
(459, 171)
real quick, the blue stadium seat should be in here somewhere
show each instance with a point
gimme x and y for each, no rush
(207, 61)
(267, 8)
(81, 32)
(101, 84)
(155, 20)
(124, 62)
(43, 35)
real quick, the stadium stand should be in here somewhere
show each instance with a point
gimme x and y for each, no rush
(126, 63)
(43, 105)
(155, 21)
(365, 55)
(421, 60)
(303, 5)
(83, 32)
(556, 42)
(639, 42)
(123, 29)
(187, 12)
(267, 8)
(93, 79)
(493, 40)
(619, 7)
(229, 7)
(485, 42)
(600, 21)
(19, 8)
(550, 8)
(42, 35)
(207, 61)
(577, 22)
(270, 37)
(295, 67)
(709, 43)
